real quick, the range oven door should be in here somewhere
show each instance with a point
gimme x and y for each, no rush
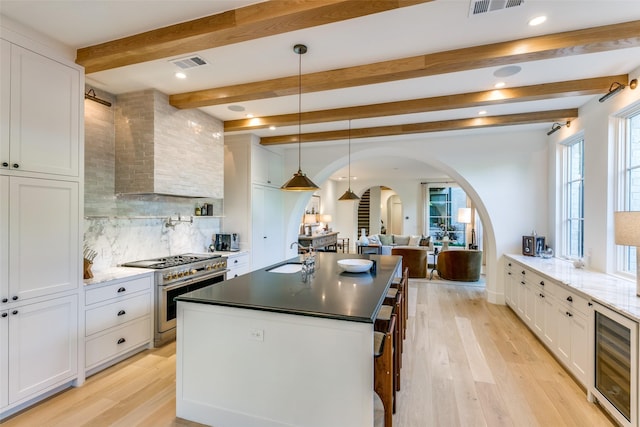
(167, 307)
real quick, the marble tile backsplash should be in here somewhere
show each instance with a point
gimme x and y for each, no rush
(119, 240)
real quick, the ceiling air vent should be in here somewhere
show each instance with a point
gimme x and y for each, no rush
(189, 62)
(484, 6)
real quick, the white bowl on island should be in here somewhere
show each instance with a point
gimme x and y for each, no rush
(355, 265)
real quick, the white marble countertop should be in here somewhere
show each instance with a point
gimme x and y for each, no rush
(115, 273)
(614, 292)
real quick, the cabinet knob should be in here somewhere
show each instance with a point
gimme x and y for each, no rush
(523, 272)
(589, 304)
(121, 313)
(5, 299)
(541, 295)
(570, 298)
(235, 261)
(509, 273)
(5, 164)
(522, 282)
(15, 297)
(121, 340)
(541, 282)
(509, 264)
(14, 312)
(122, 289)
(569, 314)
(16, 166)
(4, 314)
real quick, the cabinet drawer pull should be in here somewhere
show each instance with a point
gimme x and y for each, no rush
(5, 164)
(541, 282)
(541, 295)
(509, 273)
(5, 314)
(569, 298)
(5, 299)
(235, 261)
(589, 304)
(569, 314)
(14, 312)
(121, 313)
(523, 272)
(509, 264)
(122, 289)
(121, 340)
(15, 297)
(522, 282)
(16, 166)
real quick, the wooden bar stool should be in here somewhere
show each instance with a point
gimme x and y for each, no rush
(394, 299)
(383, 369)
(343, 244)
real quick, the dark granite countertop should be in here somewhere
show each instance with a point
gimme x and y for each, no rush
(329, 292)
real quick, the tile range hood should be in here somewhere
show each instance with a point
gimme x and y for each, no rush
(165, 151)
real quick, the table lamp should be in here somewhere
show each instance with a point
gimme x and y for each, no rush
(627, 233)
(309, 219)
(326, 219)
(464, 217)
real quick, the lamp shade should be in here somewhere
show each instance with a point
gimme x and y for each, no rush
(627, 228)
(464, 215)
(310, 219)
(326, 218)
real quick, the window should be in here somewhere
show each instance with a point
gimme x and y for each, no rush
(443, 205)
(629, 182)
(573, 203)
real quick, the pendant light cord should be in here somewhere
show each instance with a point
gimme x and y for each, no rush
(299, 112)
(349, 154)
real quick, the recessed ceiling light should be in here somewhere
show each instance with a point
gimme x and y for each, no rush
(180, 75)
(236, 108)
(272, 127)
(537, 20)
(499, 85)
(249, 116)
(507, 71)
(482, 112)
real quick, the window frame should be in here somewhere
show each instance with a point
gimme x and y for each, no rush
(624, 256)
(566, 221)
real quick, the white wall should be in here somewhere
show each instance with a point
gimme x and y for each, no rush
(504, 172)
(597, 123)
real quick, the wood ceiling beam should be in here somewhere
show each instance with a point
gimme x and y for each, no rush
(579, 42)
(234, 26)
(412, 128)
(554, 90)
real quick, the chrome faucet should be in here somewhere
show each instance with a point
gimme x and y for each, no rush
(304, 248)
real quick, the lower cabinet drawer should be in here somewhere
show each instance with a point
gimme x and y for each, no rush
(118, 341)
(118, 290)
(239, 271)
(117, 313)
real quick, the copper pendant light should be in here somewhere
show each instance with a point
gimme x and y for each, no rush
(349, 195)
(299, 181)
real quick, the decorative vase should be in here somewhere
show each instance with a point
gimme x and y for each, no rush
(364, 240)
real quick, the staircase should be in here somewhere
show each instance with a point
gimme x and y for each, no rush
(363, 213)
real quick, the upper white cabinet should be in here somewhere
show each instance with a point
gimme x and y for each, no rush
(40, 107)
(267, 236)
(266, 167)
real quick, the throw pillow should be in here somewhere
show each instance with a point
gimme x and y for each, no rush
(374, 240)
(386, 239)
(414, 240)
(400, 240)
(425, 241)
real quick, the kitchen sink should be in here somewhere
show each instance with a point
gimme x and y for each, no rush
(286, 268)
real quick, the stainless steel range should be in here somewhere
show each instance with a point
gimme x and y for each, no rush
(176, 275)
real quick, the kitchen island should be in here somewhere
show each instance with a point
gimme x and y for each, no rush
(269, 349)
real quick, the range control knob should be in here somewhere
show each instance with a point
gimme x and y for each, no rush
(194, 271)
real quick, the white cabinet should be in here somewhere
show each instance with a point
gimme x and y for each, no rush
(266, 167)
(118, 320)
(267, 235)
(4, 358)
(237, 264)
(42, 348)
(253, 203)
(43, 237)
(558, 316)
(41, 106)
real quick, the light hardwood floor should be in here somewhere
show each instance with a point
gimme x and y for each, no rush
(466, 363)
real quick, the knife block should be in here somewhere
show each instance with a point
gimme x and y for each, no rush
(87, 269)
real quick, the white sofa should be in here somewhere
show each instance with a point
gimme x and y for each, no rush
(390, 241)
